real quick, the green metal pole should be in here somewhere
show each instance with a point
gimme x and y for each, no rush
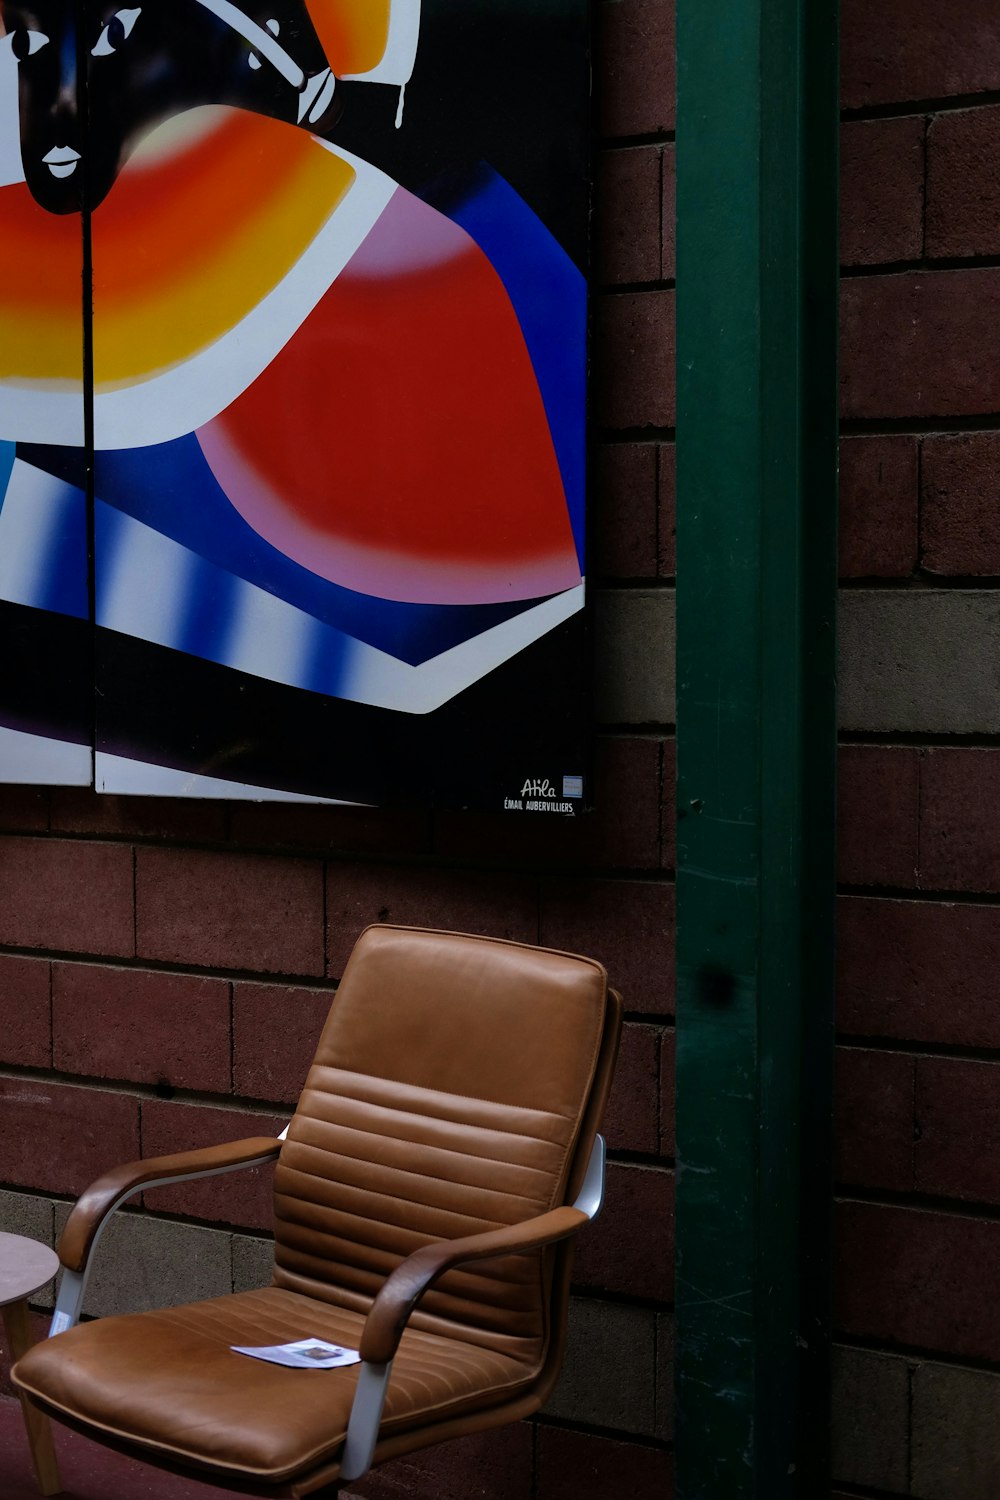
(756, 539)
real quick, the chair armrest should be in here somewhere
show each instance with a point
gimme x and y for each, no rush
(389, 1312)
(103, 1196)
(406, 1285)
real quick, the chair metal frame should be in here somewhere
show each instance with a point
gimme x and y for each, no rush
(391, 1309)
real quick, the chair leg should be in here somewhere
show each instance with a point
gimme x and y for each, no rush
(43, 1454)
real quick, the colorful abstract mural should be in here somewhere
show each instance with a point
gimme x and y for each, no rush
(292, 398)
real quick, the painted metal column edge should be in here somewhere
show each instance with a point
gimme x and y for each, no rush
(756, 539)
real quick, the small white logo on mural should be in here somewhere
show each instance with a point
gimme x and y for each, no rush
(538, 794)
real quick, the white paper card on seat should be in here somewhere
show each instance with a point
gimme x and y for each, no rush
(306, 1354)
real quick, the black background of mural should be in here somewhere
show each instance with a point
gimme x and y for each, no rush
(506, 84)
(520, 722)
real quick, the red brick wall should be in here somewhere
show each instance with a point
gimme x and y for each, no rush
(918, 1221)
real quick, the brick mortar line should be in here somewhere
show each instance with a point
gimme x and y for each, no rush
(623, 1157)
(863, 1492)
(609, 289)
(601, 142)
(634, 1439)
(649, 728)
(921, 549)
(428, 860)
(918, 893)
(162, 966)
(625, 874)
(927, 1203)
(660, 583)
(240, 1103)
(585, 1292)
(910, 1372)
(918, 739)
(919, 427)
(914, 1047)
(927, 583)
(647, 434)
(925, 179)
(662, 1019)
(604, 582)
(908, 108)
(145, 1093)
(915, 1353)
(915, 1201)
(919, 266)
(138, 1210)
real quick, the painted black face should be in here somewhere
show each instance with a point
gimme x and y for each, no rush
(144, 63)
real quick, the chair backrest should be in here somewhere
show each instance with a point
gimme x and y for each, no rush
(457, 1087)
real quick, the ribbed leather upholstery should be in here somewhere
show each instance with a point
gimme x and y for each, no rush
(447, 1097)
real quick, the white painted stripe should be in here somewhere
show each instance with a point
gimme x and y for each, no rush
(35, 760)
(400, 53)
(382, 681)
(179, 400)
(146, 592)
(143, 582)
(31, 520)
(270, 638)
(136, 778)
(260, 40)
(11, 169)
(31, 411)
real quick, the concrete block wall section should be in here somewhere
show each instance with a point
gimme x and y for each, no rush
(917, 1393)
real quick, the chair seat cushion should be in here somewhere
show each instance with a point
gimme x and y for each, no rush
(169, 1382)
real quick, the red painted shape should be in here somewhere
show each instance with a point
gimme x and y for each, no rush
(398, 444)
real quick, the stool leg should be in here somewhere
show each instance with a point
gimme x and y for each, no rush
(43, 1455)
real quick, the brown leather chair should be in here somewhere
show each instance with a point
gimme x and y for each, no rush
(444, 1148)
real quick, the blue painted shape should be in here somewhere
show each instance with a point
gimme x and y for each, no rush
(171, 488)
(64, 587)
(200, 621)
(8, 453)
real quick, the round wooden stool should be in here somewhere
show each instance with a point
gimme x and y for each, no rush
(25, 1267)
